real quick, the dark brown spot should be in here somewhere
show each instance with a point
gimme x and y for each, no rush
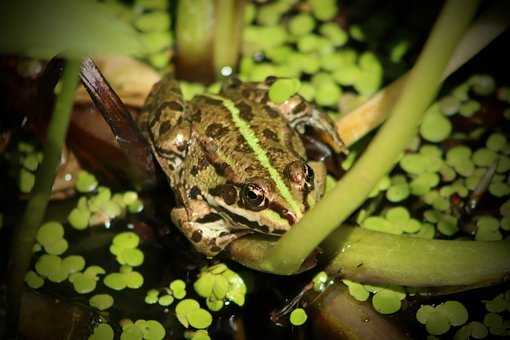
(245, 111)
(279, 231)
(196, 116)
(250, 168)
(270, 80)
(211, 217)
(222, 168)
(233, 82)
(269, 134)
(264, 229)
(194, 170)
(196, 236)
(241, 145)
(271, 112)
(246, 93)
(283, 212)
(181, 145)
(194, 192)
(229, 194)
(203, 163)
(216, 130)
(164, 127)
(215, 249)
(299, 108)
(176, 106)
(276, 151)
(212, 101)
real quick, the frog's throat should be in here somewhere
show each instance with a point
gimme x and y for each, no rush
(251, 139)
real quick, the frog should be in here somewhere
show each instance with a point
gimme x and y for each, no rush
(236, 161)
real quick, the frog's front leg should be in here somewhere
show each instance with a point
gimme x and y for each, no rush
(166, 123)
(317, 130)
(204, 227)
(304, 117)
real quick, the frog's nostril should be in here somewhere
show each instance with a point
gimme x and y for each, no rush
(294, 172)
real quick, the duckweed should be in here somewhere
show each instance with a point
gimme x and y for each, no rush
(283, 89)
(499, 188)
(319, 281)
(449, 105)
(101, 301)
(398, 191)
(298, 317)
(301, 24)
(178, 288)
(334, 34)
(357, 290)
(488, 229)
(482, 84)
(387, 301)
(459, 157)
(469, 108)
(217, 284)
(198, 335)
(189, 313)
(438, 320)
(79, 218)
(124, 247)
(495, 324)
(26, 181)
(472, 330)
(153, 22)
(447, 224)
(422, 184)
(102, 331)
(499, 304)
(50, 236)
(435, 127)
(127, 278)
(496, 142)
(152, 296)
(142, 329)
(323, 9)
(33, 280)
(115, 281)
(85, 182)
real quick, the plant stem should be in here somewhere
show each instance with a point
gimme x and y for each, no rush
(208, 36)
(380, 258)
(372, 257)
(351, 191)
(25, 233)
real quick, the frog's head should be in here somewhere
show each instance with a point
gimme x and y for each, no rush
(271, 205)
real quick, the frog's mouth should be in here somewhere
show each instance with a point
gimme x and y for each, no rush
(238, 220)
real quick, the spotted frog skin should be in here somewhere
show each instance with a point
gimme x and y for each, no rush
(236, 161)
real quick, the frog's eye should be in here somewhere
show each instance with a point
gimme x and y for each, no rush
(253, 197)
(309, 176)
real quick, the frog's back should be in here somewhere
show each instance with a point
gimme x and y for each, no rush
(244, 135)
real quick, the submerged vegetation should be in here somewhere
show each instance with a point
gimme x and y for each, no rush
(419, 222)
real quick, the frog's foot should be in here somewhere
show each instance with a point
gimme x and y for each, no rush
(305, 118)
(208, 233)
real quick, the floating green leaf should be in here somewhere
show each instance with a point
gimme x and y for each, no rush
(101, 301)
(298, 317)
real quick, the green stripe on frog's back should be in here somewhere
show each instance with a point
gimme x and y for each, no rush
(253, 142)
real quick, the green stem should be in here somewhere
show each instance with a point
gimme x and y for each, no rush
(208, 36)
(351, 191)
(379, 258)
(24, 234)
(372, 257)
